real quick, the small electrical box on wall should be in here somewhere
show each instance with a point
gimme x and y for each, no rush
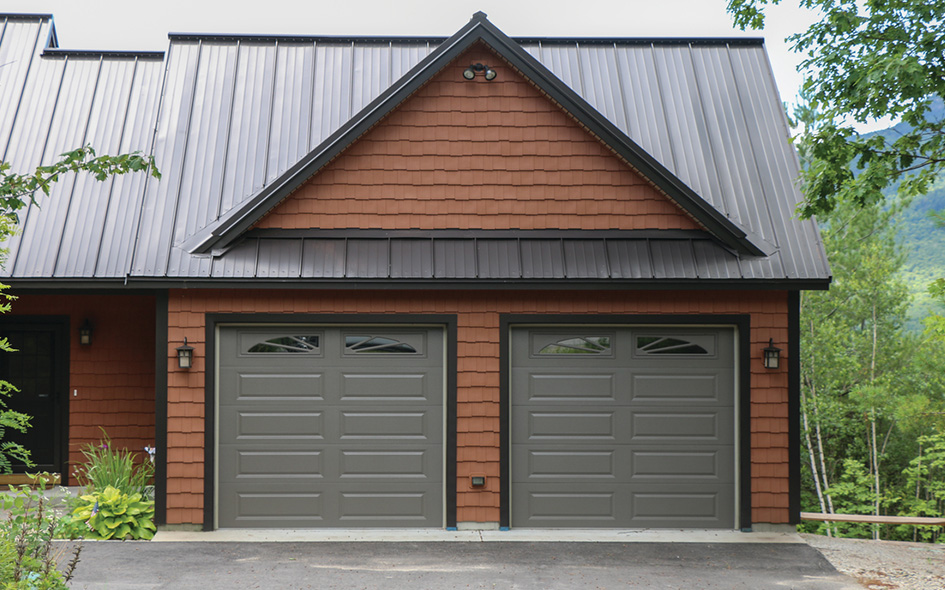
(477, 481)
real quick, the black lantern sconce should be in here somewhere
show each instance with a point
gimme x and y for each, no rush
(85, 333)
(772, 355)
(185, 355)
(474, 69)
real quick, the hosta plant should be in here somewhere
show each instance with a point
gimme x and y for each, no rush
(113, 514)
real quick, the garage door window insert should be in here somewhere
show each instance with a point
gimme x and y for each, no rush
(664, 345)
(579, 345)
(359, 344)
(282, 344)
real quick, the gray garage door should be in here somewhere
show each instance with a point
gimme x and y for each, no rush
(328, 426)
(623, 427)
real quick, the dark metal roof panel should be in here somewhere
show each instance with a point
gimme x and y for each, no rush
(499, 259)
(569, 260)
(42, 227)
(367, 259)
(673, 259)
(116, 244)
(323, 259)
(629, 259)
(279, 259)
(239, 263)
(156, 227)
(586, 259)
(21, 39)
(93, 204)
(454, 259)
(542, 259)
(411, 259)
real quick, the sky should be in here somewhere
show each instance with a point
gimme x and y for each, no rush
(129, 25)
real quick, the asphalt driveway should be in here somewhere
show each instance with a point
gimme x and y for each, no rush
(442, 565)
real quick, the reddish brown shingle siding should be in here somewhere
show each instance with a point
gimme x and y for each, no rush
(113, 377)
(478, 379)
(477, 155)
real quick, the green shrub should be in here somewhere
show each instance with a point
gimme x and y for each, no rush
(113, 514)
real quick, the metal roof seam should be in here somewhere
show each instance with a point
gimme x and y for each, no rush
(83, 142)
(111, 188)
(142, 203)
(19, 101)
(272, 103)
(713, 162)
(610, 268)
(24, 223)
(754, 161)
(180, 179)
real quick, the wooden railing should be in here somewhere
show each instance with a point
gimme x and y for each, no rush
(869, 518)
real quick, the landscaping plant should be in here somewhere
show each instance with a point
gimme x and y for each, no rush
(107, 466)
(117, 502)
(114, 514)
(29, 560)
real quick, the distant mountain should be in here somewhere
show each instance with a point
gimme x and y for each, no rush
(925, 247)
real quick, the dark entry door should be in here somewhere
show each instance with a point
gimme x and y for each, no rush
(38, 369)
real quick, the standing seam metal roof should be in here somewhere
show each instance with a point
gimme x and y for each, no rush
(225, 116)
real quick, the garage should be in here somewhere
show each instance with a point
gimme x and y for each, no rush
(330, 426)
(623, 427)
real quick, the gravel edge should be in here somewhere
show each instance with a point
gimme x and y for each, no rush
(884, 565)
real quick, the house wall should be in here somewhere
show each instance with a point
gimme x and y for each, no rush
(478, 366)
(111, 381)
(474, 154)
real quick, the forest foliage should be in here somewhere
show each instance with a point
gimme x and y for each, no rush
(872, 392)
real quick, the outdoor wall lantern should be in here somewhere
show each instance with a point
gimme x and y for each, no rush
(772, 355)
(85, 333)
(185, 355)
(487, 72)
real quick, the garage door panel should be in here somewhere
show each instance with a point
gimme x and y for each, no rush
(388, 464)
(278, 425)
(575, 508)
(676, 506)
(384, 387)
(571, 464)
(277, 506)
(690, 465)
(345, 432)
(385, 425)
(560, 425)
(681, 427)
(406, 508)
(564, 387)
(679, 388)
(277, 386)
(277, 462)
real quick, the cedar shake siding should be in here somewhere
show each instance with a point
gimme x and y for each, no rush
(111, 381)
(462, 154)
(478, 317)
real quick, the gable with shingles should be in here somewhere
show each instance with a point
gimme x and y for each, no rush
(477, 154)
